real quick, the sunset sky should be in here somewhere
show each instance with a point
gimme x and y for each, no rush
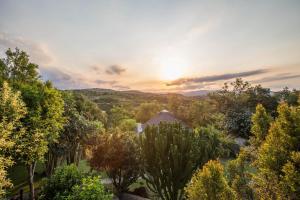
(156, 45)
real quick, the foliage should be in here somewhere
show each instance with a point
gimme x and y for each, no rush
(260, 125)
(83, 123)
(146, 111)
(170, 155)
(239, 175)
(117, 115)
(44, 119)
(212, 143)
(118, 154)
(91, 188)
(12, 110)
(60, 184)
(238, 101)
(128, 125)
(278, 157)
(209, 183)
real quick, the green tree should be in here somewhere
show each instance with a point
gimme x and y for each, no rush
(117, 153)
(237, 102)
(117, 115)
(146, 111)
(91, 188)
(43, 120)
(17, 67)
(278, 157)
(239, 176)
(12, 110)
(260, 125)
(209, 184)
(83, 123)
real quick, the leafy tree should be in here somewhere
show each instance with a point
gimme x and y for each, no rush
(260, 125)
(237, 102)
(209, 183)
(170, 154)
(117, 115)
(146, 111)
(59, 185)
(12, 110)
(43, 120)
(118, 154)
(239, 175)
(277, 158)
(128, 125)
(83, 123)
(288, 96)
(91, 188)
(17, 67)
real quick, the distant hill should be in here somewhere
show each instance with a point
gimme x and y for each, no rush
(197, 93)
(107, 98)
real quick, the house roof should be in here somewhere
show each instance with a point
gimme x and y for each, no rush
(162, 116)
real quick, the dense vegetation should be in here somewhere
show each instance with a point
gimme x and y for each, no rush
(41, 125)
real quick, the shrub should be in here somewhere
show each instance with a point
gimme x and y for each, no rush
(118, 154)
(91, 188)
(209, 183)
(60, 184)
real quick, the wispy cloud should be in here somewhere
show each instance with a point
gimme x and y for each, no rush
(115, 70)
(277, 77)
(214, 78)
(38, 52)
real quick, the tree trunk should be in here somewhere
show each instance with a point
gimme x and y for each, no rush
(31, 169)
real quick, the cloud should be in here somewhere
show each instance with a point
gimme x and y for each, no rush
(214, 78)
(277, 77)
(105, 82)
(38, 52)
(115, 70)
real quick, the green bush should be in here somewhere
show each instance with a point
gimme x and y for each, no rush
(60, 184)
(91, 188)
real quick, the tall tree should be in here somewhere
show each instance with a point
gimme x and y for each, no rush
(278, 157)
(44, 103)
(12, 109)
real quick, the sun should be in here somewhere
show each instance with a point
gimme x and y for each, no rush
(171, 72)
(172, 68)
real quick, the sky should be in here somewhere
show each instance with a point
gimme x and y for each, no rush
(156, 45)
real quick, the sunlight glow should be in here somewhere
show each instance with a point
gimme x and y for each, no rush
(172, 68)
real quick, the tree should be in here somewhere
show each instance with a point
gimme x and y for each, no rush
(59, 185)
(44, 119)
(209, 184)
(239, 176)
(260, 125)
(170, 155)
(278, 157)
(146, 111)
(118, 154)
(12, 110)
(84, 121)
(117, 115)
(91, 188)
(237, 102)
(17, 67)
(128, 125)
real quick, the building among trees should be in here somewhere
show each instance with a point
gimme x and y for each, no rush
(163, 116)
